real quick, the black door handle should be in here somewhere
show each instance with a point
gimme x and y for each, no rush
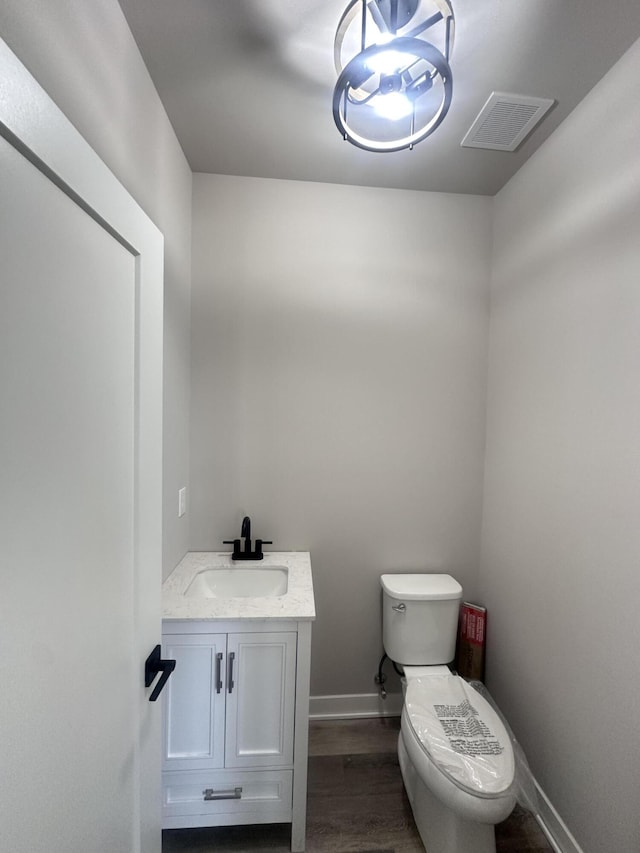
(152, 666)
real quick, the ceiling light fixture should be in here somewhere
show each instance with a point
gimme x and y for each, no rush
(397, 87)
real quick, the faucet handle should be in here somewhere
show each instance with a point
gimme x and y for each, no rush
(259, 544)
(235, 543)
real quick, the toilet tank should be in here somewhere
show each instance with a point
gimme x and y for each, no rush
(420, 618)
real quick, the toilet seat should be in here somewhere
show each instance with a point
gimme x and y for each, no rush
(461, 734)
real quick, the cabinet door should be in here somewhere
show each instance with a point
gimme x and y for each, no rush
(194, 701)
(261, 700)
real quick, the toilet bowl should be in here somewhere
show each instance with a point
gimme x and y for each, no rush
(457, 762)
(455, 753)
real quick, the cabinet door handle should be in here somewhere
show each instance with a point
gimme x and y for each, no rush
(218, 672)
(210, 794)
(230, 685)
(152, 666)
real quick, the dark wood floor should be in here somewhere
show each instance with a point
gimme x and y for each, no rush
(356, 803)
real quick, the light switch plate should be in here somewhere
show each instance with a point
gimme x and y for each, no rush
(182, 501)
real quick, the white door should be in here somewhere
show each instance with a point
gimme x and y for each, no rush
(77, 539)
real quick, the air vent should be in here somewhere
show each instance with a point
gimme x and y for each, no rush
(505, 120)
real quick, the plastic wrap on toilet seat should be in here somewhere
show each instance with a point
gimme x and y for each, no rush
(461, 733)
(524, 785)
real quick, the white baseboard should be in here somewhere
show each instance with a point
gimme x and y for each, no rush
(354, 705)
(360, 705)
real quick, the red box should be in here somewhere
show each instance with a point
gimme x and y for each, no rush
(472, 629)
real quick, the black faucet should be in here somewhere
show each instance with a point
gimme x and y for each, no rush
(245, 530)
(245, 533)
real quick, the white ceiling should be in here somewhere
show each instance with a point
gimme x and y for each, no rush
(248, 84)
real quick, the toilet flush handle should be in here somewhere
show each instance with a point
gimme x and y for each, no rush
(399, 608)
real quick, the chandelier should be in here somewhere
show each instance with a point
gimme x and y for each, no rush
(396, 88)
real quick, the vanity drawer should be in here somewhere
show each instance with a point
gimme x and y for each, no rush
(226, 797)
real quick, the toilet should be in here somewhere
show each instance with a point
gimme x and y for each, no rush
(455, 753)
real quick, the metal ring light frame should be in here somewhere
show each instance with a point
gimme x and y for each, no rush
(355, 8)
(355, 73)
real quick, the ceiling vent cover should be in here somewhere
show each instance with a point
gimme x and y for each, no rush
(505, 120)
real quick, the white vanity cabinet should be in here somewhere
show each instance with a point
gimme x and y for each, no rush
(230, 701)
(235, 723)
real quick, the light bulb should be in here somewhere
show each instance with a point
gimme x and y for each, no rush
(393, 106)
(387, 61)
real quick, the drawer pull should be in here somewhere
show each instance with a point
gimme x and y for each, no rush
(210, 794)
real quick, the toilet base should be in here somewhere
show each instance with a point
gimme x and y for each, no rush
(441, 830)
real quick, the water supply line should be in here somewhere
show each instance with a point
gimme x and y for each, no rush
(380, 678)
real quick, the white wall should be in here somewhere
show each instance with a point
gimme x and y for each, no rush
(561, 536)
(339, 356)
(84, 56)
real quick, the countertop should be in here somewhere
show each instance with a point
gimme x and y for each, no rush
(297, 603)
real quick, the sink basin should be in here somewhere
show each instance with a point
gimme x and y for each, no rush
(240, 582)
